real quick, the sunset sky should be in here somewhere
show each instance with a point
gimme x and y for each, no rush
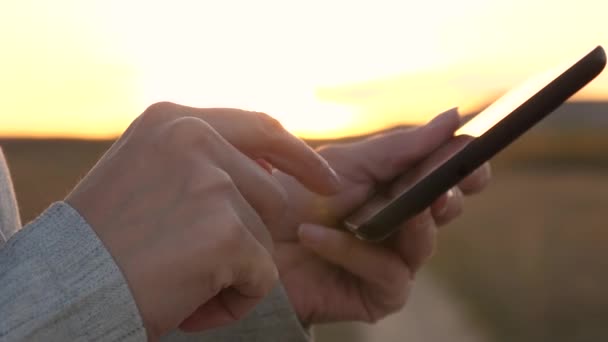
(323, 68)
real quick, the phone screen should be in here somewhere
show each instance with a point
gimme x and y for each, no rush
(506, 104)
(479, 127)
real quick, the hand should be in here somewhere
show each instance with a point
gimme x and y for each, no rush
(185, 214)
(329, 274)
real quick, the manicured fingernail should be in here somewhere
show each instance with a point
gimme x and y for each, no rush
(447, 116)
(448, 197)
(311, 234)
(487, 172)
(335, 179)
(332, 177)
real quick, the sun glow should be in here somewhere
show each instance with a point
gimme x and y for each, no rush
(323, 68)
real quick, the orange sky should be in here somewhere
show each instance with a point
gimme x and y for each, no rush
(324, 68)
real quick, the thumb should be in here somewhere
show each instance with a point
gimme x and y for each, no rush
(385, 156)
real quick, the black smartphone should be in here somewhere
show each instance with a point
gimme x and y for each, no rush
(473, 144)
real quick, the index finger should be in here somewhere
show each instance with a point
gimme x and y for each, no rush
(387, 155)
(260, 136)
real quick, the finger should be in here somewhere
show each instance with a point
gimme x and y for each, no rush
(447, 207)
(227, 307)
(265, 165)
(373, 263)
(253, 188)
(256, 195)
(257, 186)
(255, 276)
(415, 241)
(210, 315)
(476, 181)
(251, 218)
(438, 207)
(236, 217)
(385, 156)
(261, 136)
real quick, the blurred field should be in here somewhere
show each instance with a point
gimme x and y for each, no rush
(44, 171)
(529, 258)
(530, 255)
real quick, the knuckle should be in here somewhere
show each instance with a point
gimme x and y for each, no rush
(263, 237)
(216, 181)
(159, 112)
(269, 274)
(219, 280)
(394, 275)
(223, 181)
(269, 123)
(270, 280)
(270, 127)
(230, 234)
(189, 132)
(388, 300)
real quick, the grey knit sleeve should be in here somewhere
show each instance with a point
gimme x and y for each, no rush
(59, 283)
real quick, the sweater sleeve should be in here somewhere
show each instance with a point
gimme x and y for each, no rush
(59, 283)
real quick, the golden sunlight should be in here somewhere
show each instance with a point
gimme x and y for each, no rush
(323, 68)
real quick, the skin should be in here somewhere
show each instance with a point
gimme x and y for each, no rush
(186, 187)
(185, 211)
(332, 276)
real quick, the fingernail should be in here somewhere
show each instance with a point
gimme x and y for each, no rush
(449, 194)
(311, 234)
(487, 172)
(332, 176)
(334, 179)
(447, 116)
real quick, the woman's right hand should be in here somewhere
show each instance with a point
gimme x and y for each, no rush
(184, 209)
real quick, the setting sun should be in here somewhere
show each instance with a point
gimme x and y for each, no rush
(323, 68)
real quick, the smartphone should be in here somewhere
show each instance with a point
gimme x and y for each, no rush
(473, 144)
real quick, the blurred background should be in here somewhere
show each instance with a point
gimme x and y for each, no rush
(528, 259)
